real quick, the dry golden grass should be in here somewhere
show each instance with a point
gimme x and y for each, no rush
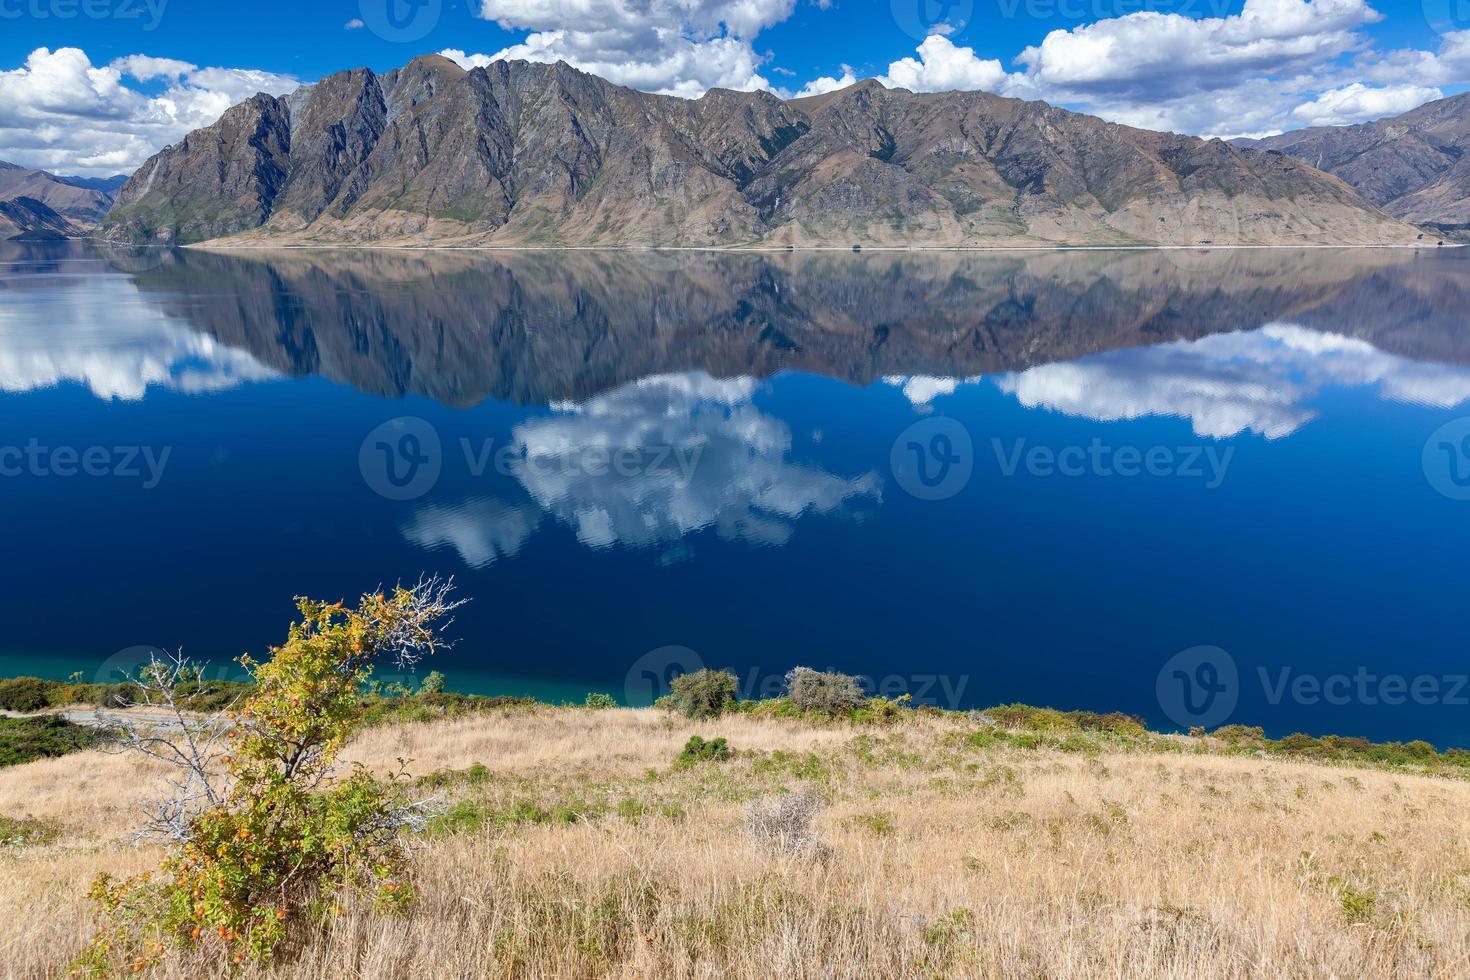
(946, 860)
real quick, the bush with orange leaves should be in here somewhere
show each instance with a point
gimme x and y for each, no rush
(279, 837)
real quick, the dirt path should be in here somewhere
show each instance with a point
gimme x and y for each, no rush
(112, 718)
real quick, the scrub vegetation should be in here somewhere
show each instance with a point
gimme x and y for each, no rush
(817, 834)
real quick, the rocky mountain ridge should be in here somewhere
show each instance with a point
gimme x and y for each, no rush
(37, 203)
(521, 153)
(1415, 166)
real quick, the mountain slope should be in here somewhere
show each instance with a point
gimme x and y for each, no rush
(522, 153)
(1414, 166)
(28, 218)
(80, 207)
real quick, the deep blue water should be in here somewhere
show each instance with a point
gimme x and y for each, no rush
(1301, 507)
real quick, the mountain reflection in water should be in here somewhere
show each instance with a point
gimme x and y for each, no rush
(762, 401)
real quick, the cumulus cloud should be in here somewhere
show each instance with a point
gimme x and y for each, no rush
(62, 113)
(1447, 66)
(673, 47)
(943, 66)
(1260, 381)
(707, 458)
(922, 389)
(480, 530)
(1277, 64)
(98, 331)
(1125, 53)
(827, 83)
(1357, 103)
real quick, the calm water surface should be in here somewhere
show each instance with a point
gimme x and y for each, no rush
(1201, 487)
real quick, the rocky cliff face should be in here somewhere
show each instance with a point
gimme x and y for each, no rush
(217, 181)
(1414, 166)
(533, 154)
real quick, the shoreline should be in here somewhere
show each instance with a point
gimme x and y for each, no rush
(101, 701)
(225, 245)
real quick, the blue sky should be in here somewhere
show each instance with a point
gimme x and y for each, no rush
(94, 86)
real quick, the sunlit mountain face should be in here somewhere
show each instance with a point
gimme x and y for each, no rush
(1043, 474)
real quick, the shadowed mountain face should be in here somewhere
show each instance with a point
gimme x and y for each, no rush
(539, 327)
(521, 153)
(1413, 166)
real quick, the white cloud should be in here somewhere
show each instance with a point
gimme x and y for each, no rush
(98, 331)
(480, 530)
(1250, 74)
(674, 47)
(355, 24)
(1448, 66)
(1259, 381)
(708, 459)
(676, 66)
(1141, 49)
(1357, 103)
(921, 389)
(62, 113)
(827, 83)
(942, 66)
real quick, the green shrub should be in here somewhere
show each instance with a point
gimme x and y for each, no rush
(698, 750)
(598, 701)
(704, 693)
(24, 831)
(433, 683)
(881, 710)
(279, 840)
(1241, 733)
(25, 693)
(826, 693)
(1050, 720)
(1357, 906)
(27, 739)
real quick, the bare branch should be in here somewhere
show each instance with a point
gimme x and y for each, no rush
(190, 746)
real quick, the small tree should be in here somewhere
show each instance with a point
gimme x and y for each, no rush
(703, 693)
(828, 693)
(266, 837)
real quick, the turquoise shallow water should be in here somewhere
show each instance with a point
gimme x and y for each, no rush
(1202, 487)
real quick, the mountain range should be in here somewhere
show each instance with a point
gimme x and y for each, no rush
(538, 326)
(521, 153)
(35, 203)
(1413, 166)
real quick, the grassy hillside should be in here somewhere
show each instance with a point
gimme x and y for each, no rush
(574, 842)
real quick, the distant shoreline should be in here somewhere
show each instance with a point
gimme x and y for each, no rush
(93, 703)
(225, 245)
(210, 246)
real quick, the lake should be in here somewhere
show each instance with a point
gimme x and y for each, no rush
(1202, 487)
